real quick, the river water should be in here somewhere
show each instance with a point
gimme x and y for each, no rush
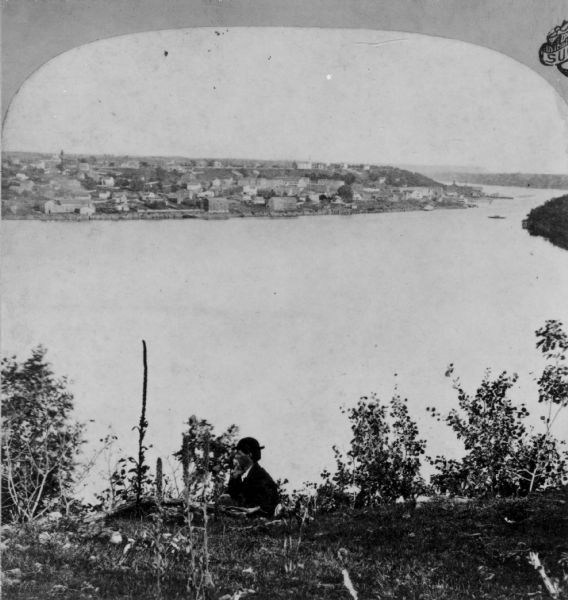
(275, 324)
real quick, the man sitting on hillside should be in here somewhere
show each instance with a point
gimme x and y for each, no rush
(250, 486)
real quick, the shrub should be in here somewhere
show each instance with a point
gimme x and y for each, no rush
(124, 485)
(206, 458)
(504, 457)
(492, 431)
(40, 441)
(383, 462)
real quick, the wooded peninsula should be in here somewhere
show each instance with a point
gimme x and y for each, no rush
(550, 221)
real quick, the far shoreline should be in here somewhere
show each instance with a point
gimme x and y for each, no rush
(162, 215)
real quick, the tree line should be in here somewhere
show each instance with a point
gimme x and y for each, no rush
(550, 220)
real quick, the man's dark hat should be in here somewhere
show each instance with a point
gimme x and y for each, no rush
(249, 445)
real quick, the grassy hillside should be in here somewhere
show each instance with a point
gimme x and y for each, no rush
(443, 550)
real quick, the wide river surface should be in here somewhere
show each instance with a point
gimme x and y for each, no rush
(275, 324)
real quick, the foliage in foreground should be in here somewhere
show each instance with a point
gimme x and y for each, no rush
(40, 440)
(209, 456)
(383, 462)
(502, 456)
(441, 551)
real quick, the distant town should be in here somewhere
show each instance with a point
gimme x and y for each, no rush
(79, 187)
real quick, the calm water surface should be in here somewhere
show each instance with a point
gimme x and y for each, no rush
(275, 324)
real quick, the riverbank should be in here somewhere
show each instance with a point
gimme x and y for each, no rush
(192, 214)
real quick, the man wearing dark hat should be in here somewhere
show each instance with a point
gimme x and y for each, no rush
(250, 486)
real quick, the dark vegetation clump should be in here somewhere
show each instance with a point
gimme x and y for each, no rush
(550, 221)
(383, 463)
(40, 441)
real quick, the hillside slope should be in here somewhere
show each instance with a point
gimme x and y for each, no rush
(441, 550)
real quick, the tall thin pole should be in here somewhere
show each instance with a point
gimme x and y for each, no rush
(140, 467)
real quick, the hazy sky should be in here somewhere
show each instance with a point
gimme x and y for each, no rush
(329, 95)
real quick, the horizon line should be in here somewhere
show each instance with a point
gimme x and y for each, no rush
(479, 169)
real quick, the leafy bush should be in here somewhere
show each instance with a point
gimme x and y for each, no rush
(206, 458)
(504, 457)
(492, 431)
(383, 462)
(553, 383)
(124, 484)
(550, 464)
(40, 441)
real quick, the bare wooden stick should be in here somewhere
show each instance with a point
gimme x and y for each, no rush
(342, 556)
(349, 584)
(185, 459)
(159, 480)
(550, 586)
(208, 580)
(142, 426)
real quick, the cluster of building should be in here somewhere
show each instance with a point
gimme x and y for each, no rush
(59, 184)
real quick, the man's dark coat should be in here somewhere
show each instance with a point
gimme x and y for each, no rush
(257, 489)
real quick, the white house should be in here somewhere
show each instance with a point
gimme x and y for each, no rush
(194, 188)
(119, 197)
(217, 205)
(68, 205)
(51, 207)
(282, 203)
(107, 181)
(130, 164)
(148, 196)
(417, 193)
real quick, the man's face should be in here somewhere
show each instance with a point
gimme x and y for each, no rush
(244, 461)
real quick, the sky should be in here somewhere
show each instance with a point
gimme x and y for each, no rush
(298, 94)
